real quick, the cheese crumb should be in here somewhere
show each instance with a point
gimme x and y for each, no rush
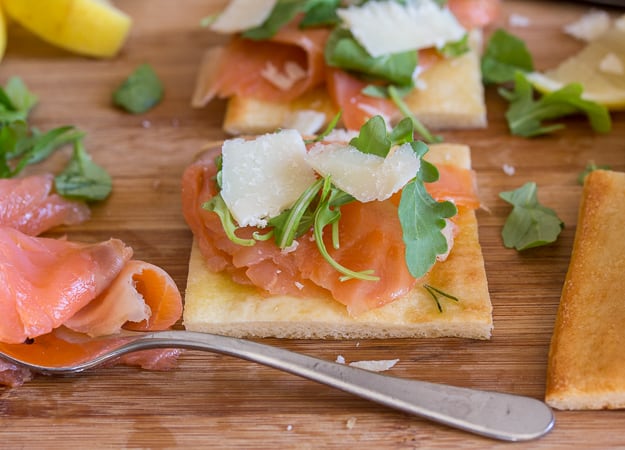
(340, 359)
(589, 26)
(375, 365)
(508, 169)
(612, 64)
(517, 20)
(307, 121)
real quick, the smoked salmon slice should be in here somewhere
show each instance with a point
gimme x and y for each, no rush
(279, 69)
(46, 281)
(370, 239)
(475, 13)
(28, 204)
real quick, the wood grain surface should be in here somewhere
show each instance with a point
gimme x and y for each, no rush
(214, 401)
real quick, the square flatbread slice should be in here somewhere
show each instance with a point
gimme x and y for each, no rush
(215, 304)
(586, 367)
(449, 95)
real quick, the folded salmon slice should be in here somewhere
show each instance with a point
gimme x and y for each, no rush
(28, 204)
(279, 69)
(370, 239)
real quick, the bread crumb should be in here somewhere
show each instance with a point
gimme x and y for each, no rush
(146, 124)
(351, 422)
(590, 26)
(340, 359)
(517, 20)
(289, 427)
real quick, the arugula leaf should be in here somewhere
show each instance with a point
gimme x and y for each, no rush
(218, 206)
(282, 13)
(422, 218)
(505, 55)
(530, 224)
(82, 178)
(326, 214)
(456, 48)
(591, 166)
(525, 115)
(320, 13)
(38, 147)
(373, 138)
(343, 51)
(141, 91)
(16, 101)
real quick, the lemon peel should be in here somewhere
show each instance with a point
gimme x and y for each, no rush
(87, 27)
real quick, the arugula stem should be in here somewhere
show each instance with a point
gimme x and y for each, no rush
(218, 206)
(419, 127)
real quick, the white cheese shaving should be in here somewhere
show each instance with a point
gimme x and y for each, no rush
(508, 169)
(341, 135)
(286, 79)
(366, 177)
(306, 121)
(612, 64)
(448, 231)
(590, 26)
(264, 176)
(240, 15)
(389, 27)
(517, 20)
(375, 365)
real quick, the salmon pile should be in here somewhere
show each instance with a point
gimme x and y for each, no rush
(54, 288)
(370, 239)
(238, 69)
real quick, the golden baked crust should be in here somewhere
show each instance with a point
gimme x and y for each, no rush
(586, 368)
(215, 304)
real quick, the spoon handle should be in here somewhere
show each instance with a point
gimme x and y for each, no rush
(496, 415)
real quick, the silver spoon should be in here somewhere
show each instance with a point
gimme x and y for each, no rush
(496, 415)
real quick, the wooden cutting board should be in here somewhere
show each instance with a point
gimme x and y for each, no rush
(217, 401)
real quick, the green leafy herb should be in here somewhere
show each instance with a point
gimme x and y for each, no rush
(456, 48)
(219, 207)
(82, 178)
(422, 218)
(405, 110)
(435, 292)
(320, 13)
(343, 51)
(22, 145)
(525, 115)
(504, 56)
(374, 138)
(282, 13)
(141, 91)
(530, 224)
(590, 167)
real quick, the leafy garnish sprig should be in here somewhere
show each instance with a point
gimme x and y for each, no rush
(506, 61)
(421, 217)
(530, 224)
(22, 145)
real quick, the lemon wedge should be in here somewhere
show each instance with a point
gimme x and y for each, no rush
(87, 27)
(3, 32)
(599, 67)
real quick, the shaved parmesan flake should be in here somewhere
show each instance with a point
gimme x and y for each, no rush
(364, 176)
(375, 365)
(306, 121)
(589, 26)
(389, 27)
(240, 15)
(612, 64)
(283, 80)
(263, 177)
